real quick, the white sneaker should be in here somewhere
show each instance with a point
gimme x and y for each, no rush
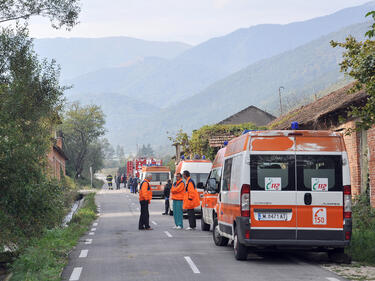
(178, 227)
(175, 227)
(189, 228)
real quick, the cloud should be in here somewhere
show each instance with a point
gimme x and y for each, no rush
(220, 4)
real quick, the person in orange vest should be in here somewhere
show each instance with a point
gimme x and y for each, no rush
(145, 196)
(191, 200)
(178, 191)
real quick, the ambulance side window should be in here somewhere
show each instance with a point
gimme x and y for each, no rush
(319, 173)
(236, 173)
(272, 172)
(227, 174)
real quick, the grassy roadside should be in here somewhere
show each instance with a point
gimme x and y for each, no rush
(46, 257)
(362, 247)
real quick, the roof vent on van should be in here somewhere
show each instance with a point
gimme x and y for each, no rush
(294, 125)
(196, 156)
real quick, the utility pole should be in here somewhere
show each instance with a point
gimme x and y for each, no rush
(91, 175)
(281, 106)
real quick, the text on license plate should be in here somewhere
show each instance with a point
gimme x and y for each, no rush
(154, 187)
(272, 217)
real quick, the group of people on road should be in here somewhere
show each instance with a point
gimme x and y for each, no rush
(184, 196)
(131, 184)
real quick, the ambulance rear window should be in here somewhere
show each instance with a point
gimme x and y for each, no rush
(160, 176)
(319, 173)
(272, 172)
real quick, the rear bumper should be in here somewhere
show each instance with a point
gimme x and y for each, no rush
(311, 239)
(158, 193)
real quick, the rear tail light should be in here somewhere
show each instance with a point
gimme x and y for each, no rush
(348, 235)
(245, 200)
(347, 202)
(247, 234)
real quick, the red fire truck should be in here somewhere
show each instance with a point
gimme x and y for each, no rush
(134, 167)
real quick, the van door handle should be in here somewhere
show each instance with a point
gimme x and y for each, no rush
(308, 198)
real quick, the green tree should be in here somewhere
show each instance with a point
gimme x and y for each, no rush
(30, 100)
(82, 126)
(146, 151)
(109, 151)
(359, 63)
(59, 12)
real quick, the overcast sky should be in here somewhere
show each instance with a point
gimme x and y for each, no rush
(190, 21)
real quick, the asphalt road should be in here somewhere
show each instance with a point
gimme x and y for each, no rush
(115, 249)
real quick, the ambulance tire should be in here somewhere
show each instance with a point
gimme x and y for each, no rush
(204, 226)
(218, 239)
(240, 250)
(339, 256)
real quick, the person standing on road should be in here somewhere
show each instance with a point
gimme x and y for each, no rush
(191, 200)
(167, 192)
(130, 184)
(109, 181)
(118, 181)
(178, 191)
(135, 183)
(145, 196)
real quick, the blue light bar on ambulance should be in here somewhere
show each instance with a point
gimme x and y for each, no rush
(294, 125)
(225, 143)
(204, 157)
(182, 157)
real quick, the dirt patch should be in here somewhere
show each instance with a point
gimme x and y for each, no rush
(354, 271)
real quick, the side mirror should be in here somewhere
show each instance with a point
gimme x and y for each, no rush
(212, 186)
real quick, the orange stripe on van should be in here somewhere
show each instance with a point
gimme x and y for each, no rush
(335, 217)
(319, 144)
(237, 145)
(230, 212)
(272, 143)
(291, 223)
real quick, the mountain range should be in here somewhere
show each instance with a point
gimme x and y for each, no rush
(146, 95)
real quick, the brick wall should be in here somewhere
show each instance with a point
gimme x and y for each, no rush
(352, 143)
(371, 163)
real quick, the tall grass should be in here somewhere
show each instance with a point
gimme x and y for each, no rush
(362, 246)
(47, 256)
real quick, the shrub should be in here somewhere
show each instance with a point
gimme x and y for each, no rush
(362, 246)
(46, 257)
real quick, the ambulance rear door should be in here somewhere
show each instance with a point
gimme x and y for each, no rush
(320, 188)
(273, 190)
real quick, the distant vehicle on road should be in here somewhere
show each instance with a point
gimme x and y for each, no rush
(210, 194)
(284, 189)
(160, 177)
(199, 170)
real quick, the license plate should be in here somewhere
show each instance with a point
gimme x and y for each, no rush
(272, 216)
(154, 187)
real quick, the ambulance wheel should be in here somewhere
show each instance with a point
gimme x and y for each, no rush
(240, 250)
(218, 239)
(204, 226)
(339, 256)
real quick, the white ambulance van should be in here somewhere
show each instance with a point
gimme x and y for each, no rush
(199, 170)
(285, 189)
(211, 191)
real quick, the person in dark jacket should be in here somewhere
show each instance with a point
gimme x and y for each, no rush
(118, 181)
(167, 192)
(135, 184)
(130, 184)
